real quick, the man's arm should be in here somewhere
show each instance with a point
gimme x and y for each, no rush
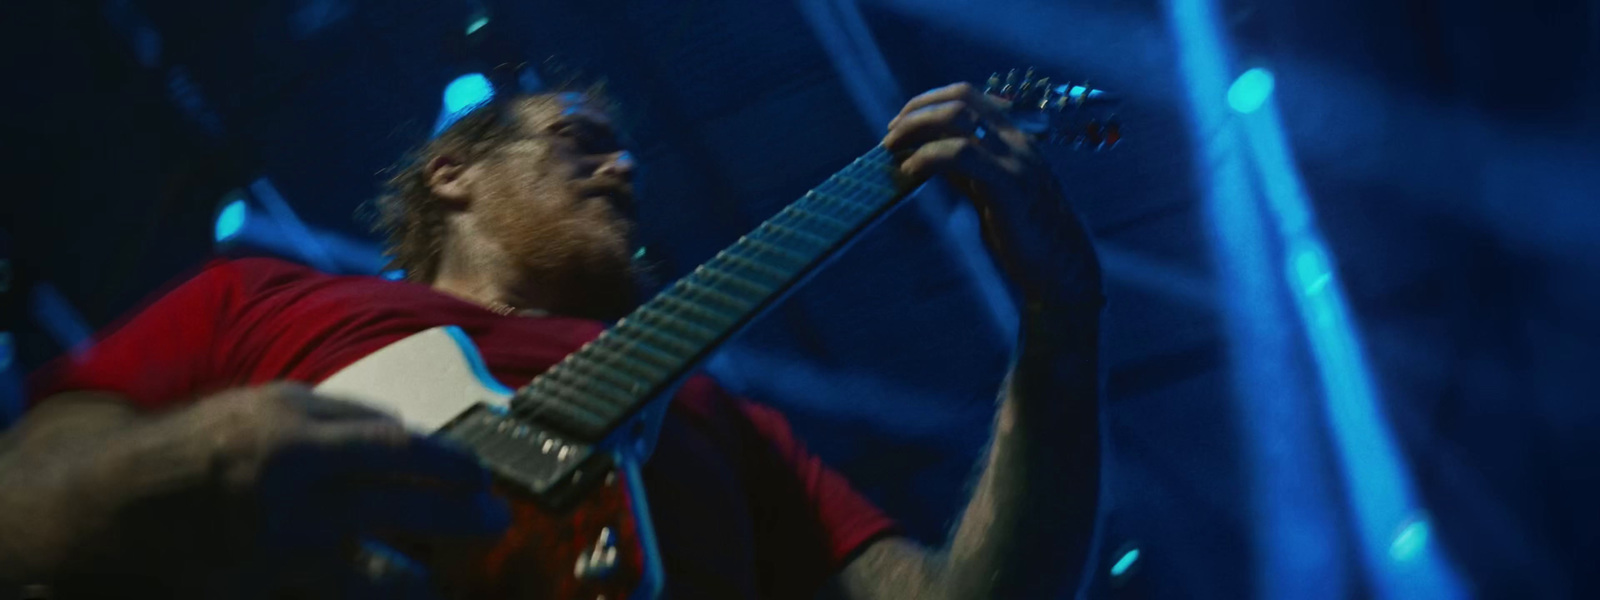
(1027, 530)
(88, 485)
(71, 466)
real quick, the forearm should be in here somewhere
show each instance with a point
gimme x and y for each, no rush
(1028, 528)
(75, 469)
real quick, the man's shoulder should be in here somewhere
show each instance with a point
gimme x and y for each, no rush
(256, 274)
(261, 266)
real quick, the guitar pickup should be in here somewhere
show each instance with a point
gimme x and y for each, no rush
(551, 466)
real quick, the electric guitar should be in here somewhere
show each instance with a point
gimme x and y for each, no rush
(566, 449)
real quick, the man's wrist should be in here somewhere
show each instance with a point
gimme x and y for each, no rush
(1060, 314)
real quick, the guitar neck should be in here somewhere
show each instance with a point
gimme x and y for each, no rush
(593, 390)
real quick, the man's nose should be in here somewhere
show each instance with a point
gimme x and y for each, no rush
(620, 165)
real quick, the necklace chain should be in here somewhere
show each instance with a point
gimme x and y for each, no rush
(507, 310)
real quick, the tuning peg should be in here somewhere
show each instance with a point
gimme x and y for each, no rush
(1093, 133)
(1010, 88)
(1060, 98)
(1042, 87)
(993, 85)
(1027, 84)
(1113, 133)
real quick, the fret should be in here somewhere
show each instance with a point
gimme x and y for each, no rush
(877, 157)
(683, 346)
(773, 234)
(880, 190)
(615, 361)
(666, 360)
(703, 332)
(754, 266)
(566, 399)
(708, 272)
(811, 219)
(850, 209)
(841, 226)
(875, 182)
(722, 319)
(564, 413)
(693, 286)
(821, 242)
(618, 346)
(600, 388)
(792, 217)
(597, 353)
(771, 248)
(615, 378)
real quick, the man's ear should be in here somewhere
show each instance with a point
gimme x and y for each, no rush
(447, 177)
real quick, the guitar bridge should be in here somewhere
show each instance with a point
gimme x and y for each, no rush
(551, 466)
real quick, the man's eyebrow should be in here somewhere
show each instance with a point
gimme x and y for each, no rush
(588, 122)
(582, 113)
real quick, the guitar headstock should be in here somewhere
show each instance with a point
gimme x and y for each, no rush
(1067, 113)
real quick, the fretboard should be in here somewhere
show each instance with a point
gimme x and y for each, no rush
(596, 388)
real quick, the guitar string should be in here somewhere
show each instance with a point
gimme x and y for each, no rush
(608, 358)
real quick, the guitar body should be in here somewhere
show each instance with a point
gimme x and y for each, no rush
(599, 544)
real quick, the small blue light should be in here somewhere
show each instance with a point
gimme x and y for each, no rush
(231, 220)
(1408, 544)
(1125, 563)
(1250, 90)
(394, 274)
(467, 92)
(477, 24)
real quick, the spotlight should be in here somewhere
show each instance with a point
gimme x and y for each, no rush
(231, 219)
(467, 92)
(1250, 90)
(460, 97)
(1125, 563)
(1408, 544)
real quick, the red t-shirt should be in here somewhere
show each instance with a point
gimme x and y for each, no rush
(741, 508)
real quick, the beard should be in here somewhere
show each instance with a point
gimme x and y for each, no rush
(575, 250)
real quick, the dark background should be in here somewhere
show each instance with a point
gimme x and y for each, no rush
(1448, 149)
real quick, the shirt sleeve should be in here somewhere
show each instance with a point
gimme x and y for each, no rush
(157, 357)
(809, 520)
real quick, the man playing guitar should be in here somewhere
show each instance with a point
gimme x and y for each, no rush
(177, 455)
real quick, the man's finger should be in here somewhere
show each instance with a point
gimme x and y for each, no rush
(942, 156)
(356, 432)
(932, 122)
(989, 108)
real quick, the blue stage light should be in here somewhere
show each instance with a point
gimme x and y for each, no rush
(477, 24)
(467, 92)
(231, 220)
(1411, 540)
(1250, 90)
(1126, 562)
